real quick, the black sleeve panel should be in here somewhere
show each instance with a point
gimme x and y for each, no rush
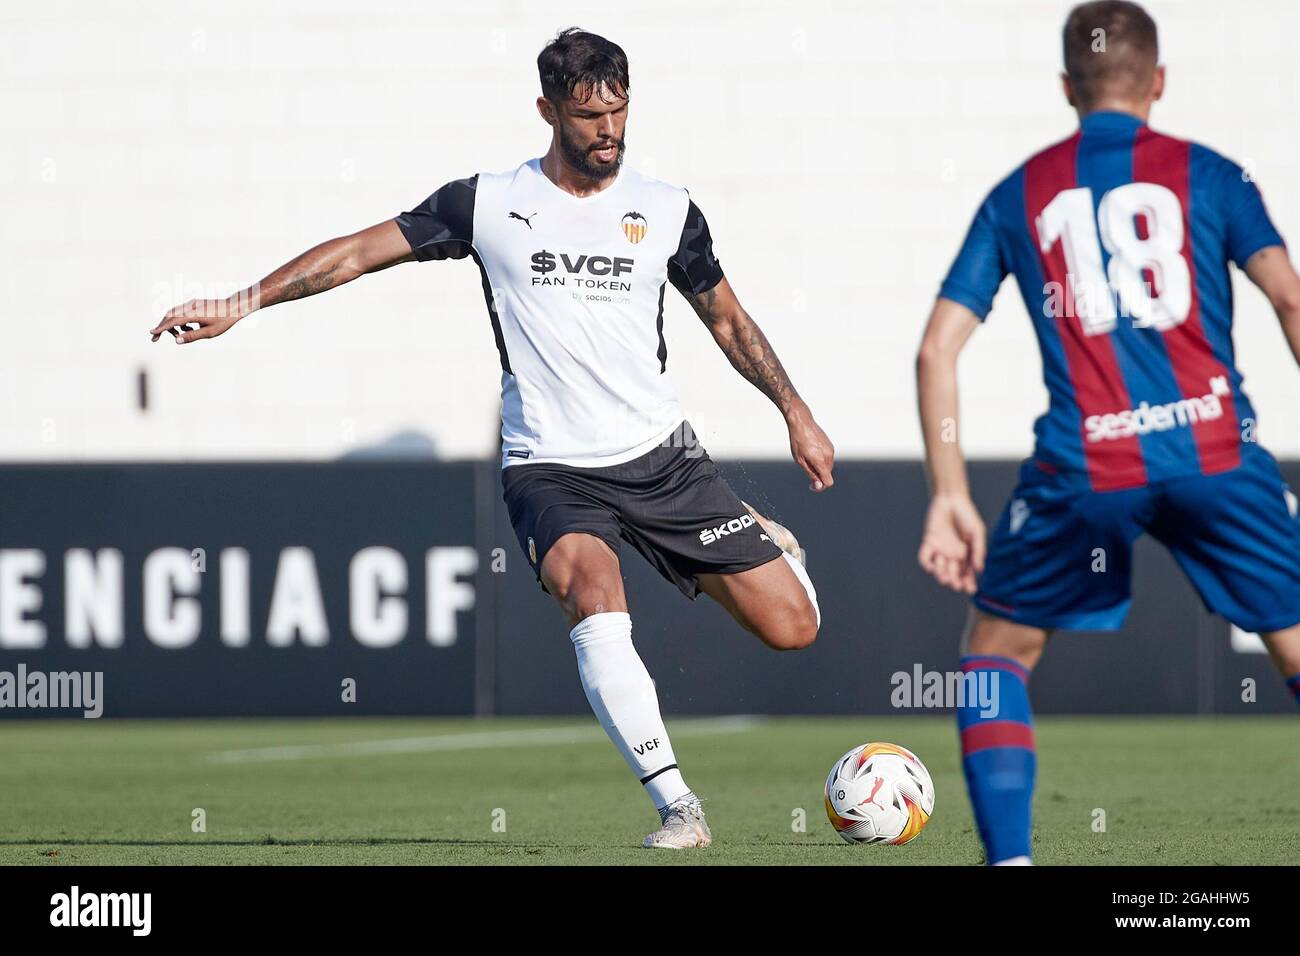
(442, 227)
(694, 269)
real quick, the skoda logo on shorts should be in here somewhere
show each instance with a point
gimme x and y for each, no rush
(710, 535)
(634, 227)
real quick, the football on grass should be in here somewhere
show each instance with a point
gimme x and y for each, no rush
(879, 793)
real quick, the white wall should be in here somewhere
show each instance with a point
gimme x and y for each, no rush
(160, 150)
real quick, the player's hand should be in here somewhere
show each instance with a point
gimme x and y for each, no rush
(952, 545)
(197, 319)
(810, 447)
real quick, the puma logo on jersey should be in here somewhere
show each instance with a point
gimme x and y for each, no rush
(524, 219)
(1019, 515)
(710, 535)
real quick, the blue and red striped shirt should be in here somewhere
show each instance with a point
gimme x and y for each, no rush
(1120, 239)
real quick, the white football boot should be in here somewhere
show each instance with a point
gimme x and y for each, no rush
(683, 827)
(780, 535)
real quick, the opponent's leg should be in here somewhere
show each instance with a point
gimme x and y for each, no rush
(1284, 647)
(582, 572)
(775, 601)
(998, 756)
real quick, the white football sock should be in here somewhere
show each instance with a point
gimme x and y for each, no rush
(623, 697)
(801, 573)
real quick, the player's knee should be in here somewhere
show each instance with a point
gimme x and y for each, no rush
(996, 637)
(583, 598)
(581, 595)
(583, 584)
(803, 632)
(794, 630)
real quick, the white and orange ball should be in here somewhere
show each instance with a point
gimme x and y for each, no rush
(879, 793)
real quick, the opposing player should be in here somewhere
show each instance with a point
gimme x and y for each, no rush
(1120, 239)
(575, 251)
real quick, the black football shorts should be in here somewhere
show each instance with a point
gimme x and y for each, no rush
(671, 504)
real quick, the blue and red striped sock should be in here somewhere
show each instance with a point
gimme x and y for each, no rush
(1293, 685)
(998, 756)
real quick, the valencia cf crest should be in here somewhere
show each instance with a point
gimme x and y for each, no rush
(532, 551)
(634, 227)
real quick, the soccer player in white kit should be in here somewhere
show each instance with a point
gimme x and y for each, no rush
(575, 251)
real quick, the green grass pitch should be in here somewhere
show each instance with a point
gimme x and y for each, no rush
(434, 791)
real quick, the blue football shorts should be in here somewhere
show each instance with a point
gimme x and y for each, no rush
(1061, 553)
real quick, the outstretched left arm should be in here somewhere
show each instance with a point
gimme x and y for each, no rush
(750, 354)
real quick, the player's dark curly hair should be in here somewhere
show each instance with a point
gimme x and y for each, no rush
(576, 63)
(1110, 48)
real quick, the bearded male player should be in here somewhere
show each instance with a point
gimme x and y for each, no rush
(575, 251)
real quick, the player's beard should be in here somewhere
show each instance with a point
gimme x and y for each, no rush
(580, 158)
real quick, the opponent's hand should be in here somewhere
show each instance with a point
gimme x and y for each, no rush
(952, 545)
(810, 447)
(197, 319)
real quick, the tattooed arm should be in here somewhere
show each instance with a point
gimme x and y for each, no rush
(750, 353)
(323, 267)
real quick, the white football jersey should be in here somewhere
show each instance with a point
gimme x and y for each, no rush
(575, 292)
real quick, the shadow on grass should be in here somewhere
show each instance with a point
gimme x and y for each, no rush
(269, 840)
